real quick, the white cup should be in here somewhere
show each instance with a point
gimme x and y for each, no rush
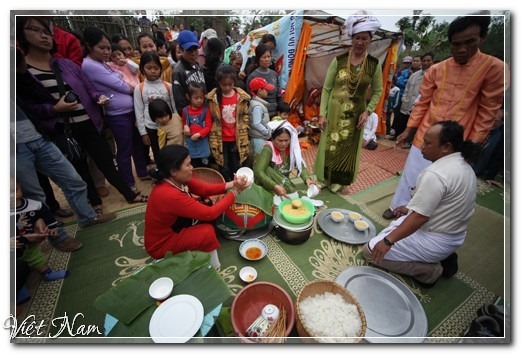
(246, 171)
(270, 313)
(313, 191)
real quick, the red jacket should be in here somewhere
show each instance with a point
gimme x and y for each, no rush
(167, 203)
(67, 45)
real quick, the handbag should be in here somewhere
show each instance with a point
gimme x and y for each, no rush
(66, 142)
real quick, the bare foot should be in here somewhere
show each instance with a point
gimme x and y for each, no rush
(400, 211)
(345, 190)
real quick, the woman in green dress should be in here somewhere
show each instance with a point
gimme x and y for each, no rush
(278, 158)
(253, 208)
(343, 107)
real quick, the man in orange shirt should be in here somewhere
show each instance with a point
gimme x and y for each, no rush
(467, 88)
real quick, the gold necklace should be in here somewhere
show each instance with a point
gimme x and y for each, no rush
(183, 187)
(352, 80)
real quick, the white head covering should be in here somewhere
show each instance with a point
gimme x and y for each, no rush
(295, 157)
(361, 21)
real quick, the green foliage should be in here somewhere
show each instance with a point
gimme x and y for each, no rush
(494, 43)
(415, 28)
(263, 18)
(423, 34)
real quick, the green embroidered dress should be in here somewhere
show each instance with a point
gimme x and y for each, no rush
(340, 144)
(268, 174)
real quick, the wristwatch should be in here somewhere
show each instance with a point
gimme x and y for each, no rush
(387, 242)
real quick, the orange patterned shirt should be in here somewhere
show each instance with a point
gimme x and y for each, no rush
(469, 94)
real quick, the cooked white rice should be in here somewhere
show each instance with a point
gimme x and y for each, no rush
(329, 315)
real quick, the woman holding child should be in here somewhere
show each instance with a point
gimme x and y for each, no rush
(343, 105)
(119, 112)
(81, 116)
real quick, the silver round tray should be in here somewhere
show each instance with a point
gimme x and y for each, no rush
(279, 220)
(392, 311)
(243, 235)
(345, 231)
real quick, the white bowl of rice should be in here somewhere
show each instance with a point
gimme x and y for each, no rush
(328, 313)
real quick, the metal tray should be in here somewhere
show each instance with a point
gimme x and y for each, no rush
(243, 235)
(392, 311)
(345, 231)
(279, 220)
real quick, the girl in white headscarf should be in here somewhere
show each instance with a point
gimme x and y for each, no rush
(343, 107)
(278, 158)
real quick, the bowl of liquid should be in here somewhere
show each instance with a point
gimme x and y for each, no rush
(361, 225)
(337, 216)
(353, 216)
(253, 250)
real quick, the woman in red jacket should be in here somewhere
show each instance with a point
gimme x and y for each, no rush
(175, 221)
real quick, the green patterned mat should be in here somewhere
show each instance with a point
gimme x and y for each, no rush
(114, 251)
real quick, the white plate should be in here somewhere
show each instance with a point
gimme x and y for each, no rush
(176, 320)
(315, 202)
(393, 313)
(277, 200)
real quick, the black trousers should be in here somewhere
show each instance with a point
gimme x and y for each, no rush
(50, 199)
(400, 122)
(92, 142)
(154, 141)
(231, 160)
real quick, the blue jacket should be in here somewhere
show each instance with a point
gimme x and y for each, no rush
(402, 80)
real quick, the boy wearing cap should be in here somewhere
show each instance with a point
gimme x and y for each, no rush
(187, 69)
(406, 64)
(259, 131)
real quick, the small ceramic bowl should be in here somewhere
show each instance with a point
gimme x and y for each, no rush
(312, 191)
(337, 216)
(353, 216)
(253, 250)
(361, 225)
(245, 171)
(161, 288)
(270, 313)
(248, 274)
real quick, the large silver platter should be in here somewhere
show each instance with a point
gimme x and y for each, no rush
(392, 311)
(345, 231)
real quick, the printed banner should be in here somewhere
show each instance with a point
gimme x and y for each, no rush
(287, 33)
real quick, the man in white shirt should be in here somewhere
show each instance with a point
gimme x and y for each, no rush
(422, 244)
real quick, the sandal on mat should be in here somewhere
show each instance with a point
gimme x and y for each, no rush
(141, 199)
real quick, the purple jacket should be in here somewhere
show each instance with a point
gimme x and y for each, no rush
(110, 82)
(42, 102)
